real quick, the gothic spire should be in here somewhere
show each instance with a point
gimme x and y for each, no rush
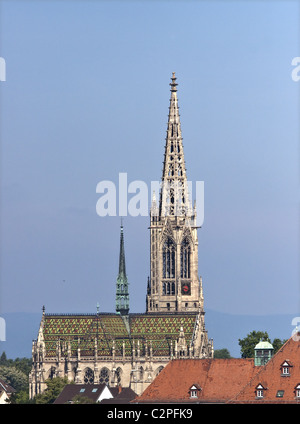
(122, 265)
(174, 198)
(122, 292)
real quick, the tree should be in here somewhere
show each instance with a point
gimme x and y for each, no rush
(222, 354)
(54, 388)
(23, 364)
(3, 359)
(248, 343)
(21, 397)
(277, 344)
(14, 377)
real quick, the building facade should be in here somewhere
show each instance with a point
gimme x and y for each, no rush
(128, 349)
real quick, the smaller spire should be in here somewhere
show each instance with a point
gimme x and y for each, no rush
(122, 293)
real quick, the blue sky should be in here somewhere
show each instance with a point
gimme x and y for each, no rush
(86, 97)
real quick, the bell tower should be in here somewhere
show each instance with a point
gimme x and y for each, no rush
(174, 285)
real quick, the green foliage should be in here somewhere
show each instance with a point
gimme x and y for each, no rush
(3, 359)
(22, 364)
(277, 344)
(15, 372)
(248, 343)
(82, 399)
(14, 377)
(21, 397)
(222, 354)
(54, 388)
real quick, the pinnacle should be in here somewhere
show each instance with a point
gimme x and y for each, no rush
(173, 84)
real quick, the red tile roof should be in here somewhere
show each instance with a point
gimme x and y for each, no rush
(219, 379)
(270, 377)
(228, 380)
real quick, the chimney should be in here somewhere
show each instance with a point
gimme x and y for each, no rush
(120, 389)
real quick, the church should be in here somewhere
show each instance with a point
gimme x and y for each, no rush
(130, 349)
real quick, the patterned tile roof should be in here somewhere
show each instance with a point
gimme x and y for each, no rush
(160, 330)
(157, 330)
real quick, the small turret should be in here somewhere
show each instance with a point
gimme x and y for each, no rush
(263, 352)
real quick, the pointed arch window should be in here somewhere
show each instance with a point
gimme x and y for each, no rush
(185, 259)
(104, 376)
(169, 259)
(88, 376)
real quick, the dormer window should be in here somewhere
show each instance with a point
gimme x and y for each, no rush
(194, 391)
(260, 391)
(297, 391)
(285, 369)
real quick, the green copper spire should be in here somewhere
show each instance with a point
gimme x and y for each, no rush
(122, 293)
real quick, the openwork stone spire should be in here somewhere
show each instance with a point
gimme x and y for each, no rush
(122, 293)
(174, 198)
(174, 284)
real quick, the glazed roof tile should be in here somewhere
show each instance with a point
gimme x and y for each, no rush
(157, 330)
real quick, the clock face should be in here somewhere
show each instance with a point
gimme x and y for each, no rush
(186, 288)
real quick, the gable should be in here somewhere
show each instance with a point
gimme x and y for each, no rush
(106, 394)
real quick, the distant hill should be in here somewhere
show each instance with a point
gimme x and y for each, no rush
(224, 329)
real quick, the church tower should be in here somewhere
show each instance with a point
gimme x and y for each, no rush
(122, 291)
(174, 285)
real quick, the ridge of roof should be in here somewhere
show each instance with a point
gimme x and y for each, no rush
(134, 314)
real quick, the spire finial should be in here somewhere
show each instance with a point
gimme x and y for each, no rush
(173, 84)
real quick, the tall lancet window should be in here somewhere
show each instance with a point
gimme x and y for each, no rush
(185, 259)
(169, 259)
